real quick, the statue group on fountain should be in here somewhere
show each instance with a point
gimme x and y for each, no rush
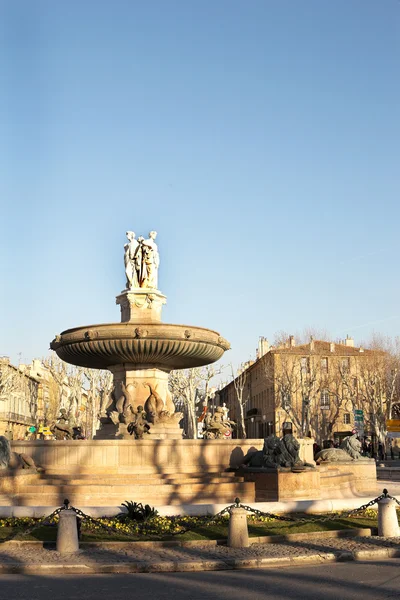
(140, 420)
(218, 426)
(65, 427)
(141, 261)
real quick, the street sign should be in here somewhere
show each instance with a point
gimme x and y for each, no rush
(32, 429)
(393, 425)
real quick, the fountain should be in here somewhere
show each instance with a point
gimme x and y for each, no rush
(140, 351)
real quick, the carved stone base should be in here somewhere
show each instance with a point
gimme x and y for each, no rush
(143, 305)
(140, 384)
(159, 431)
(147, 388)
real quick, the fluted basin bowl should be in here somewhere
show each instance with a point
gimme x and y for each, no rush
(155, 345)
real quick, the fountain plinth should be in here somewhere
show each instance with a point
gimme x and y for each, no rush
(141, 305)
(140, 352)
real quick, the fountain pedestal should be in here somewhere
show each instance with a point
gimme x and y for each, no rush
(141, 305)
(140, 351)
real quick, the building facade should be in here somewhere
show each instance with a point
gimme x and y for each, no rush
(319, 389)
(19, 398)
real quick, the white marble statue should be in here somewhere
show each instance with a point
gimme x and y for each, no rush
(225, 410)
(141, 261)
(132, 259)
(151, 261)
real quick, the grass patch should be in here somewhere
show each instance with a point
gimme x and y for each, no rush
(161, 528)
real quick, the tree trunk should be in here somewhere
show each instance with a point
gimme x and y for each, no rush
(191, 422)
(242, 425)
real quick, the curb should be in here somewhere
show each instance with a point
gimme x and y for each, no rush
(197, 565)
(266, 539)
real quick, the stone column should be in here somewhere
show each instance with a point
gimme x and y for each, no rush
(388, 525)
(238, 534)
(67, 533)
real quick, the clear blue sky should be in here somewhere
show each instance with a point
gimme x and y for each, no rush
(259, 138)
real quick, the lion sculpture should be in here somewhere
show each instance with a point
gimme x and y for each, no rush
(13, 460)
(349, 449)
(281, 454)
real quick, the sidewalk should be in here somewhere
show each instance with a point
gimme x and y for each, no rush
(152, 557)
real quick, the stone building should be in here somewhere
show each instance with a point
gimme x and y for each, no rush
(315, 389)
(19, 397)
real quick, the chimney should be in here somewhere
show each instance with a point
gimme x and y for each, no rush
(36, 364)
(311, 343)
(361, 349)
(292, 341)
(332, 347)
(263, 347)
(349, 342)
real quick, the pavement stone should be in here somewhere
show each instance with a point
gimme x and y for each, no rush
(23, 557)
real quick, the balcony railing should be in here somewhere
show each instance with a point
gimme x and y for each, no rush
(16, 418)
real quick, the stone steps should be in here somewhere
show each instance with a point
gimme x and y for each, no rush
(137, 480)
(50, 489)
(81, 500)
(125, 490)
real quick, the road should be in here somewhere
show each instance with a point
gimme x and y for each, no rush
(343, 581)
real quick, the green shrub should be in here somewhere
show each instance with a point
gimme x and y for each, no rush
(137, 512)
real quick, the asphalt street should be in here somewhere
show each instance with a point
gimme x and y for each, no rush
(347, 581)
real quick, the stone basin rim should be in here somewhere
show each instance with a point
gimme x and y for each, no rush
(137, 324)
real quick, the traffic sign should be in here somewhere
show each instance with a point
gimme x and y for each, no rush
(393, 424)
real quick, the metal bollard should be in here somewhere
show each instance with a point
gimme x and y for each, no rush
(238, 534)
(388, 525)
(67, 532)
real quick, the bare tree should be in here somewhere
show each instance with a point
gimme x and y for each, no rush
(11, 378)
(188, 388)
(379, 379)
(100, 385)
(242, 394)
(296, 381)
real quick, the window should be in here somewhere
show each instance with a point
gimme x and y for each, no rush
(325, 399)
(324, 365)
(346, 418)
(345, 364)
(286, 400)
(304, 364)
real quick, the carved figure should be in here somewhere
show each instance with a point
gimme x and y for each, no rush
(65, 428)
(281, 454)
(141, 260)
(13, 460)
(225, 412)
(349, 449)
(154, 405)
(217, 427)
(133, 260)
(139, 425)
(151, 260)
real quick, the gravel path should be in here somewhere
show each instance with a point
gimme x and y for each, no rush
(29, 554)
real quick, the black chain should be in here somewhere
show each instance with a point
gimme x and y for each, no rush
(387, 495)
(204, 521)
(207, 520)
(81, 515)
(36, 525)
(318, 519)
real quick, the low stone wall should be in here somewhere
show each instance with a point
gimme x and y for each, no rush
(143, 456)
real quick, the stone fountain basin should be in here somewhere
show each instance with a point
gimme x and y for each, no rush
(154, 345)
